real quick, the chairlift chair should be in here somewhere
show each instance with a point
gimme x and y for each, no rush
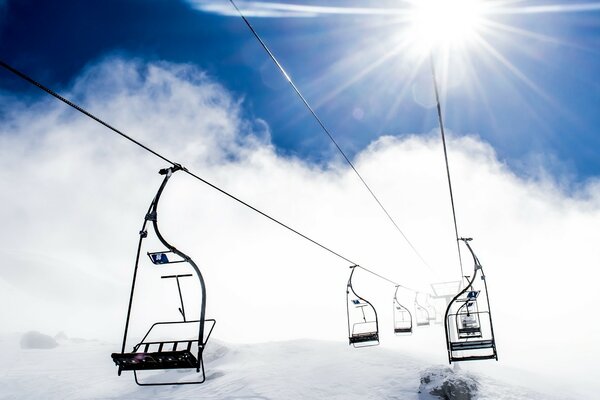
(172, 350)
(431, 310)
(421, 313)
(468, 320)
(363, 325)
(467, 317)
(445, 292)
(402, 317)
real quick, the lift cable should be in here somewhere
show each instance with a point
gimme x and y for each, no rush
(326, 131)
(386, 279)
(441, 122)
(231, 196)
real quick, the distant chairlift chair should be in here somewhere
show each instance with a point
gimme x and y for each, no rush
(421, 313)
(402, 317)
(467, 317)
(431, 310)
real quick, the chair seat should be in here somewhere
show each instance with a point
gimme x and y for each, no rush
(364, 337)
(471, 345)
(402, 330)
(469, 335)
(469, 330)
(155, 360)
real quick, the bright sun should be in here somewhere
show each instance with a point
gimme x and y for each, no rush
(445, 23)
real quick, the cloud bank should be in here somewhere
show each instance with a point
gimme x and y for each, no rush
(74, 196)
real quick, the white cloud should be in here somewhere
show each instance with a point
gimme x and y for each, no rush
(553, 8)
(74, 196)
(267, 9)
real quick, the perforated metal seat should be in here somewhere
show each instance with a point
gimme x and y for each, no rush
(469, 330)
(472, 345)
(155, 360)
(166, 356)
(364, 337)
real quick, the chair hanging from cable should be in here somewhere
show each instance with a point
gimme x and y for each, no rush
(363, 325)
(422, 316)
(175, 343)
(468, 319)
(402, 317)
(434, 315)
(444, 292)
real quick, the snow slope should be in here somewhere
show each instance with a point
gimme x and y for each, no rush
(300, 369)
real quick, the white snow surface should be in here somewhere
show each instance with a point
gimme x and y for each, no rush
(300, 369)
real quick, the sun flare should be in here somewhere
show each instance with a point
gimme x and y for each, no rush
(445, 23)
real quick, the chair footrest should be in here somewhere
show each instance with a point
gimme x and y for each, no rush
(156, 360)
(475, 358)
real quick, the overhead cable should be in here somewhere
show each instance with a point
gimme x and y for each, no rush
(155, 153)
(441, 123)
(326, 131)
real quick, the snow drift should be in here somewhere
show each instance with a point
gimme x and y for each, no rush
(300, 369)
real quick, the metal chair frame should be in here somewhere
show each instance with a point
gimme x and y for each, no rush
(457, 344)
(165, 359)
(365, 339)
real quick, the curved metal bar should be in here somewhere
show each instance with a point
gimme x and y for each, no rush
(349, 289)
(487, 297)
(153, 217)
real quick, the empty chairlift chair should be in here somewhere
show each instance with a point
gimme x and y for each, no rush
(421, 313)
(363, 326)
(467, 316)
(468, 320)
(431, 310)
(177, 343)
(402, 317)
(444, 292)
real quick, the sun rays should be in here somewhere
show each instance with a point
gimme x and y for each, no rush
(434, 23)
(472, 42)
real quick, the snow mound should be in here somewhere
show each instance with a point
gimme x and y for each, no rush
(447, 384)
(37, 340)
(291, 370)
(214, 351)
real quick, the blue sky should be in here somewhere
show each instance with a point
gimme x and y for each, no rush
(544, 114)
